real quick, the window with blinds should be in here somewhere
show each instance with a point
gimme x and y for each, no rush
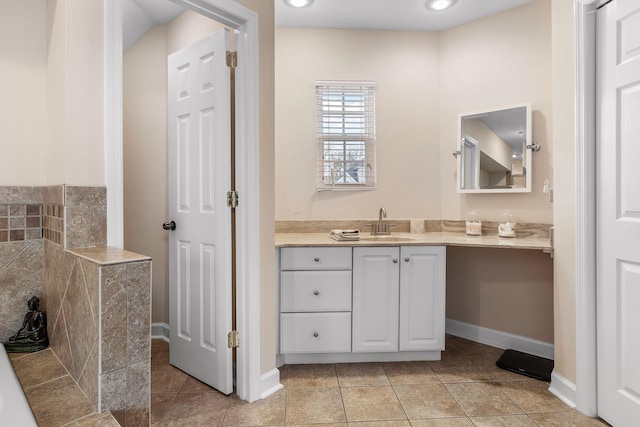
(345, 134)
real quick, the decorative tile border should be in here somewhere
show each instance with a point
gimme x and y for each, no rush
(53, 227)
(20, 222)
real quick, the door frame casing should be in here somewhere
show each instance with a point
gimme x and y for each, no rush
(245, 22)
(585, 162)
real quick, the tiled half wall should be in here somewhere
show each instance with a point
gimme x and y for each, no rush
(90, 306)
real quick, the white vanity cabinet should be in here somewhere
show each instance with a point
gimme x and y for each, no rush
(422, 297)
(315, 300)
(398, 298)
(376, 296)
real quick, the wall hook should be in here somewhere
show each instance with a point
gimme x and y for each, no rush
(534, 147)
(456, 154)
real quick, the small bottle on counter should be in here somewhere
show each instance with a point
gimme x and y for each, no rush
(474, 224)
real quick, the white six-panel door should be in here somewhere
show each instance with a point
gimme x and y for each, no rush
(199, 177)
(618, 212)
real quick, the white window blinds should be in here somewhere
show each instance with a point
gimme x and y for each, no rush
(345, 134)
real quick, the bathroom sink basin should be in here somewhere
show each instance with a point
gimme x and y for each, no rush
(389, 239)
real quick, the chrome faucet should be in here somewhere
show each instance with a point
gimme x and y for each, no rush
(381, 227)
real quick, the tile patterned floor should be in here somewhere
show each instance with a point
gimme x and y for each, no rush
(54, 397)
(464, 389)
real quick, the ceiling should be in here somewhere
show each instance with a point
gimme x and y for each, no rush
(387, 14)
(405, 15)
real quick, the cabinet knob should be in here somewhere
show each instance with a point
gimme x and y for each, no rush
(407, 259)
(316, 335)
(316, 259)
(316, 292)
(395, 260)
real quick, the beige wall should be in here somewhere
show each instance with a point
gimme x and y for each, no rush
(145, 159)
(145, 156)
(564, 209)
(509, 291)
(498, 61)
(23, 87)
(75, 113)
(405, 68)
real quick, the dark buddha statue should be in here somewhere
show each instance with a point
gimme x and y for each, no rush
(32, 335)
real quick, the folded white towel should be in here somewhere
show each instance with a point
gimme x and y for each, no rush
(345, 234)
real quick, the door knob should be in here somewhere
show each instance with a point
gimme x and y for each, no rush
(169, 225)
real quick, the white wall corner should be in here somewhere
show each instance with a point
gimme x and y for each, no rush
(160, 331)
(563, 389)
(499, 339)
(270, 383)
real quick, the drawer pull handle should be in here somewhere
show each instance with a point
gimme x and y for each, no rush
(316, 335)
(316, 292)
(316, 259)
(395, 260)
(407, 259)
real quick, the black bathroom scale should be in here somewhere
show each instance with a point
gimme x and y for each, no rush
(526, 364)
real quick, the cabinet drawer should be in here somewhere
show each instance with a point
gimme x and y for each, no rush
(315, 332)
(315, 291)
(315, 258)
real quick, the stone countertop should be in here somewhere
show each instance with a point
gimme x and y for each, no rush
(107, 255)
(408, 239)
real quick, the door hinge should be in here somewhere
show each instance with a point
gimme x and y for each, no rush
(233, 339)
(232, 59)
(232, 199)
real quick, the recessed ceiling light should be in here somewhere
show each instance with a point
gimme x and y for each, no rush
(298, 3)
(439, 4)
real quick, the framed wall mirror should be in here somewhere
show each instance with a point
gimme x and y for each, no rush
(494, 155)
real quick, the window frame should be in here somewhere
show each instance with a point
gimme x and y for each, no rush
(332, 135)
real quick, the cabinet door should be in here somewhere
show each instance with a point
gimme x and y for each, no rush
(422, 297)
(375, 299)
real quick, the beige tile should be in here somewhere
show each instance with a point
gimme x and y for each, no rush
(410, 373)
(98, 420)
(567, 418)
(284, 376)
(113, 393)
(482, 399)
(319, 425)
(159, 352)
(160, 402)
(398, 423)
(266, 412)
(443, 422)
(532, 396)
(312, 376)
(504, 421)
(82, 327)
(166, 379)
(138, 311)
(114, 317)
(38, 368)
(58, 402)
(314, 405)
(371, 404)
(192, 385)
(196, 409)
(361, 374)
(138, 383)
(427, 401)
(461, 374)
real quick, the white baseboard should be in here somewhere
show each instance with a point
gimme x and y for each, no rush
(160, 331)
(498, 338)
(270, 383)
(563, 389)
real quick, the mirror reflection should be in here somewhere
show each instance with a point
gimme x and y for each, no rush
(493, 150)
